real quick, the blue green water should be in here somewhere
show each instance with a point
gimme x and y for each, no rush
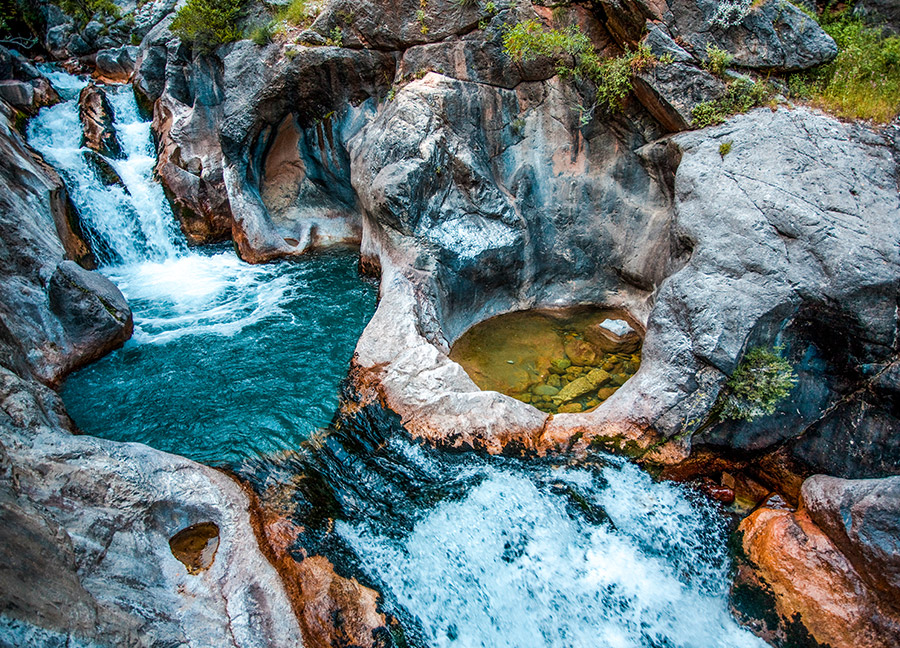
(228, 361)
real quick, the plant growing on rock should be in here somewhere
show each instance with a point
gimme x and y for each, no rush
(336, 39)
(761, 380)
(297, 13)
(261, 34)
(863, 82)
(575, 56)
(731, 12)
(85, 10)
(208, 23)
(717, 59)
(740, 96)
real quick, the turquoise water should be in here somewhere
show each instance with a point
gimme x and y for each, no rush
(228, 361)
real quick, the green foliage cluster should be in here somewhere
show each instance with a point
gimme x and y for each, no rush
(863, 82)
(740, 96)
(762, 379)
(717, 59)
(297, 13)
(262, 34)
(336, 38)
(208, 23)
(20, 19)
(575, 56)
(82, 11)
(725, 148)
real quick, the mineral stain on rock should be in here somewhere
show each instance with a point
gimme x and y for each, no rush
(195, 546)
(563, 360)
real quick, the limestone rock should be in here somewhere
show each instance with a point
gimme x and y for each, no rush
(116, 65)
(772, 35)
(614, 336)
(97, 121)
(92, 311)
(87, 560)
(671, 92)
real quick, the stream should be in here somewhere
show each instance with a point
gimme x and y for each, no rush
(241, 366)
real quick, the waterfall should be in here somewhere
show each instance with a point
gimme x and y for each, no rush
(127, 223)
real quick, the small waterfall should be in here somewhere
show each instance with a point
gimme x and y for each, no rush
(126, 223)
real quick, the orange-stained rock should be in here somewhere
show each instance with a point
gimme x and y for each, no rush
(332, 610)
(811, 578)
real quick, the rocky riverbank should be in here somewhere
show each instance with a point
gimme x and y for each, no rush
(476, 186)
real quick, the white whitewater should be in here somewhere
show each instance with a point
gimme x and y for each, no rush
(510, 565)
(174, 291)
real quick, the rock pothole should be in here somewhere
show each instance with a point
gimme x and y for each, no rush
(560, 360)
(195, 546)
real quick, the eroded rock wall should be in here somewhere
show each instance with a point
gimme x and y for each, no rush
(84, 554)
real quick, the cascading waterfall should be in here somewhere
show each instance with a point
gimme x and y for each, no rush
(231, 361)
(216, 340)
(125, 224)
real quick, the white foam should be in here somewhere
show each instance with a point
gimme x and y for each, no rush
(508, 566)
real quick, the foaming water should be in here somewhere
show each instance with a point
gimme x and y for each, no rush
(515, 563)
(228, 361)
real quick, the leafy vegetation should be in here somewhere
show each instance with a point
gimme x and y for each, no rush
(297, 13)
(262, 34)
(336, 38)
(863, 82)
(575, 57)
(208, 23)
(82, 11)
(717, 59)
(762, 379)
(725, 148)
(740, 96)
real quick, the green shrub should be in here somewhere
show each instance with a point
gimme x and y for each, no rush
(717, 59)
(863, 82)
(761, 380)
(725, 148)
(208, 23)
(85, 10)
(336, 38)
(740, 96)
(261, 34)
(297, 13)
(575, 56)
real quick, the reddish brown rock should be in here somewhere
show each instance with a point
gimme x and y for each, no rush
(332, 610)
(813, 582)
(97, 121)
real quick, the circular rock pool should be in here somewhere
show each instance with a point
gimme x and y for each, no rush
(564, 360)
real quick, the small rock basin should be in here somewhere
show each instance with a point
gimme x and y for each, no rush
(195, 546)
(560, 360)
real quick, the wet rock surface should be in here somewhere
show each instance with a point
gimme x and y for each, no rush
(811, 570)
(84, 554)
(97, 121)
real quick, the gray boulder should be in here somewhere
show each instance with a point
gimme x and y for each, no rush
(771, 35)
(92, 311)
(96, 116)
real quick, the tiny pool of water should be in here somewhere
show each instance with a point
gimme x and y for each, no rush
(228, 361)
(566, 360)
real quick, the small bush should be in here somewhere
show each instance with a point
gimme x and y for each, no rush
(297, 13)
(731, 12)
(336, 39)
(717, 59)
(575, 57)
(261, 34)
(740, 96)
(208, 23)
(762, 379)
(863, 82)
(724, 149)
(85, 10)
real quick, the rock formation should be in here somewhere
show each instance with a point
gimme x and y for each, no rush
(85, 523)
